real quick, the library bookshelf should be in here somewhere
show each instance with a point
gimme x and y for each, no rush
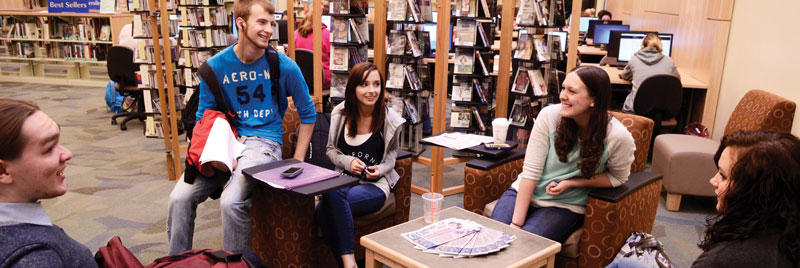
(57, 48)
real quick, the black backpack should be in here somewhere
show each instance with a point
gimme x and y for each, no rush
(319, 141)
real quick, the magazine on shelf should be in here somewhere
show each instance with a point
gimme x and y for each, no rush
(416, 13)
(396, 75)
(483, 64)
(527, 12)
(363, 28)
(397, 10)
(460, 117)
(487, 13)
(396, 103)
(413, 43)
(424, 74)
(338, 85)
(519, 113)
(478, 119)
(467, 8)
(462, 90)
(355, 33)
(525, 45)
(340, 7)
(481, 90)
(542, 13)
(542, 53)
(339, 58)
(537, 81)
(412, 111)
(465, 33)
(359, 7)
(425, 7)
(484, 37)
(413, 80)
(521, 82)
(397, 43)
(340, 30)
(464, 61)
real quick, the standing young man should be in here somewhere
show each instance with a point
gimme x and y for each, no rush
(243, 74)
(32, 164)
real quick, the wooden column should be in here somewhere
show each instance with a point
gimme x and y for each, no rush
(173, 149)
(379, 37)
(440, 91)
(317, 6)
(166, 127)
(503, 75)
(290, 27)
(572, 39)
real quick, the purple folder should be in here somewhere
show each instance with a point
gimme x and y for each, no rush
(311, 174)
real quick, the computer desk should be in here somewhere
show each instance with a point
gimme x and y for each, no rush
(591, 50)
(696, 90)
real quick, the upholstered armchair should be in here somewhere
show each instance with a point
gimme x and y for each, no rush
(612, 214)
(314, 252)
(687, 162)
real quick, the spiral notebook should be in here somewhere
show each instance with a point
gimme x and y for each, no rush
(311, 174)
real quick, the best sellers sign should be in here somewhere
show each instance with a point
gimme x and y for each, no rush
(63, 6)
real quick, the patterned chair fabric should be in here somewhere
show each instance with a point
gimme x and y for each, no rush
(284, 243)
(608, 221)
(761, 110)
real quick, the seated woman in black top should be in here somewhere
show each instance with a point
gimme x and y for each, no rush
(361, 143)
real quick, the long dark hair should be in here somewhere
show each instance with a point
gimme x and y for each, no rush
(763, 191)
(351, 113)
(599, 87)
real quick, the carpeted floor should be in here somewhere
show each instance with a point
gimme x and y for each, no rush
(118, 183)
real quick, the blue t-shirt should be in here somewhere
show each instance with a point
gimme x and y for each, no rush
(247, 91)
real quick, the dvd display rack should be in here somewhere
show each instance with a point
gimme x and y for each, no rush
(472, 83)
(145, 55)
(349, 37)
(409, 81)
(204, 30)
(534, 79)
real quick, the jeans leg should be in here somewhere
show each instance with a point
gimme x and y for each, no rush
(182, 209)
(332, 207)
(342, 206)
(552, 222)
(504, 209)
(235, 201)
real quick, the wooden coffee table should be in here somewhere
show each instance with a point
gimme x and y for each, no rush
(390, 248)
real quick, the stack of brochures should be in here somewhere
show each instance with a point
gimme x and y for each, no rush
(458, 238)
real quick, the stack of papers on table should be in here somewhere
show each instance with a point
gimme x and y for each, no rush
(457, 140)
(458, 238)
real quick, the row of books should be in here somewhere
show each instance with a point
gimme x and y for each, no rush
(527, 43)
(344, 30)
(144, 5)
(347, 7)
(463, 89)
(22, 49)
(525, 79)
(399, 73)
(202, 2)
(204, 16)
(199, 38)
(470, 8)
(143, 29)
(461, 117)
(466, 32)
(343, 58)
(420, 10)
(408, 107)
(71, 51)
(465, 61)
(533, 12)
(82, 29)
(418, 43)
(186, 77)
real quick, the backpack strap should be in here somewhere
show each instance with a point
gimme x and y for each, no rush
(208, 75)
(273, 59)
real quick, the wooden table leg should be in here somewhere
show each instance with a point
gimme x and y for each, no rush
(370, 261)
(551, 262)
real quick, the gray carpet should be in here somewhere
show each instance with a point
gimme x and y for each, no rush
(118, 183)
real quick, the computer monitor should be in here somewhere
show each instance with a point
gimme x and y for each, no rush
(594, 23)
(603, 31)
(371, 43)
(326, 19)
(613, 41)
(283, 28)
(562, 37)
(630, 43)
(584, 26)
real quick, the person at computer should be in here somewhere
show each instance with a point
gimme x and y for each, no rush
(646, 62)
(604, 15)
(757, 190)
(574, 146)
(32, 168)
(362, 142)
(304, 38)
(243, 73)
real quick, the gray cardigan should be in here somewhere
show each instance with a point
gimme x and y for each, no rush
(645, 63)
(342, 161)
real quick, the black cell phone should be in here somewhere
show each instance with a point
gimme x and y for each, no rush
(292, 172)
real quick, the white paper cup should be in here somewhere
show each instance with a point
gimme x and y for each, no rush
(499, 130)
(432, 205)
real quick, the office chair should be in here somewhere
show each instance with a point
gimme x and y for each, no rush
(305, 59)
(659, 98)
(122, 70)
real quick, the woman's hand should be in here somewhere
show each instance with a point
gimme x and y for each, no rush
(373, 173)
(357, 166)
(557, 187)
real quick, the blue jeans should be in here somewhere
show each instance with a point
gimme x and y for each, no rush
(627, 263)
(234, 202)
(551, 222)
(338, 208)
